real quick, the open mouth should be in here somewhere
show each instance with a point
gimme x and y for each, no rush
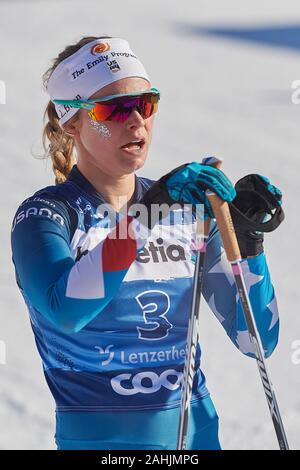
(134, 145)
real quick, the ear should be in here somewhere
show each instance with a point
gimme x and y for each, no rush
(71, 127)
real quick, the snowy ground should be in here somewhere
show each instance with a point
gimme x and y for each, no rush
(230, 66)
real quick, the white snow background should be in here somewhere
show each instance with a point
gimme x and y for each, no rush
(221, 95)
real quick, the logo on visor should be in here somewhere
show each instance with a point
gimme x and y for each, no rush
(100, 48)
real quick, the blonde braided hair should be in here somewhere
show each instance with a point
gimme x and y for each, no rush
(58, 145)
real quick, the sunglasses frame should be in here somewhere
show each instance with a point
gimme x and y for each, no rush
(89, 104)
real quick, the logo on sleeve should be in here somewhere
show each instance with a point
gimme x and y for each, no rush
(37, 212)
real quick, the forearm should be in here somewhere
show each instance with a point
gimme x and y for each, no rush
(264, 306)
(220, 292)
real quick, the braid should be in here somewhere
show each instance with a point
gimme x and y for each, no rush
(58, 145)
(61, 146)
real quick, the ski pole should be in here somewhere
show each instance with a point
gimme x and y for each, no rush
(225, 224)
(193, 326)
(192, 340)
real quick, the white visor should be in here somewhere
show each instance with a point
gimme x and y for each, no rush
(92, 67)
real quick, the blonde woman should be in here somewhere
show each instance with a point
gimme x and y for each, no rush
(109, 311)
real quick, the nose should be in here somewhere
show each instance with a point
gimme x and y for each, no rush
(135, 119)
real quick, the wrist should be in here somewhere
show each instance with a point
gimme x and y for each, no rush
(250, 243)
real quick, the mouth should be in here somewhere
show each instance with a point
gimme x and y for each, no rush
(134, 146)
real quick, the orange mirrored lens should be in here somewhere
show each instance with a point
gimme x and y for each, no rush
(119, 109)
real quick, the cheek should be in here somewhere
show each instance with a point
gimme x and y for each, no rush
(101, 129)
(97, 136)
(149, 124)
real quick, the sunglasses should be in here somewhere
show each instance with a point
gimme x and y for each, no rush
(117, 108)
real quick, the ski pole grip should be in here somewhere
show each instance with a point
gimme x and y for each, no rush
(226, 227)
(216, 163)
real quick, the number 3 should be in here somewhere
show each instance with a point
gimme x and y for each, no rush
(154, 313)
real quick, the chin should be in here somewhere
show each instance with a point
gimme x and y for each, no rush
(134, 164)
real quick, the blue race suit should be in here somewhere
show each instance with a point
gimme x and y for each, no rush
(110, 315)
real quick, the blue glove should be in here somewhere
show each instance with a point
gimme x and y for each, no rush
(187, 184)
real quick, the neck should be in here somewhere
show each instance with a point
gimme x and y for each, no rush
(115, 190)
